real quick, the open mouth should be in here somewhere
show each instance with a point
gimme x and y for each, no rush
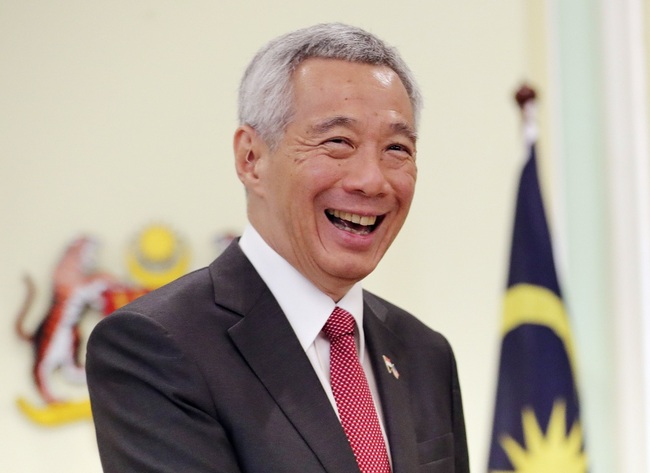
(353, 223)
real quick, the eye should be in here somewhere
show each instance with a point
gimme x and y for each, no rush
(397, 147)
(401, 149)
(337, 141)
(338, 147)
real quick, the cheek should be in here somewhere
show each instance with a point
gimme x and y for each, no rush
(315, 179)
(404, 186)
(321, 169)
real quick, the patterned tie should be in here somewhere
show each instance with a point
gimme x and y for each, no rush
(352, 394)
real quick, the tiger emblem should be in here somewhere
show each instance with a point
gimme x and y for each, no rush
(77, 287)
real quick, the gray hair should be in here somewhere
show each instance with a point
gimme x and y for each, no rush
(265, 92)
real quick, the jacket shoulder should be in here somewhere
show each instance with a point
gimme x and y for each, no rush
(184, 293)
(405, 325)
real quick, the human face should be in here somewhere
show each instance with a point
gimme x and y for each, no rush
(333, 194)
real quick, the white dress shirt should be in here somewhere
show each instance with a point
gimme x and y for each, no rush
(307, 309)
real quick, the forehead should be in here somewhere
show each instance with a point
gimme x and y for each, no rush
(325, 72)
(326, 85)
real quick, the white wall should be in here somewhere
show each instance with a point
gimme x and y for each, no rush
(117, 114)
(627, 169)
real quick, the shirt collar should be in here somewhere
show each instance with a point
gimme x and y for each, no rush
(305, 306)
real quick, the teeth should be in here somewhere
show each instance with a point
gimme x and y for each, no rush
(368, 220)
(365, 220)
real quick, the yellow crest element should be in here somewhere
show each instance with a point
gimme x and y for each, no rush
(157, 256)
(56, 413)
(554, 451)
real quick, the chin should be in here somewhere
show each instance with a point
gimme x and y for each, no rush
(347, 264)
(353, 272)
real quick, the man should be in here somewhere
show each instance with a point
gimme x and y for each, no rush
(228, 368)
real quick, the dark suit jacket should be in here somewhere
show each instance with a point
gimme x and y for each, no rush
(207, 375)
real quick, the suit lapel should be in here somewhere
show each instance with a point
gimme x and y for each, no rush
(393, 390)
(267, 342)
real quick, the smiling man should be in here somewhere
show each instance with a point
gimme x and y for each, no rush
(273, 358)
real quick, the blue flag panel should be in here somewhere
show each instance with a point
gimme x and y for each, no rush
(537, 418)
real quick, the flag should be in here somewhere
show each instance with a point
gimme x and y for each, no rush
(537, 426)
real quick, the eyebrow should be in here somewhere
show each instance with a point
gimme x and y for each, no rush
(406, 130)
(327, 125)
(401, 128)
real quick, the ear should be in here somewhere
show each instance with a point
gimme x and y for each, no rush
(249, 148)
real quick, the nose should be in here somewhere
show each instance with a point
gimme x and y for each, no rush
(364, 174)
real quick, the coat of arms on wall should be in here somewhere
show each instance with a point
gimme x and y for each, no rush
(155, 257)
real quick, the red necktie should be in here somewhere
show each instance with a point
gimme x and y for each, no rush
(352, 394)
